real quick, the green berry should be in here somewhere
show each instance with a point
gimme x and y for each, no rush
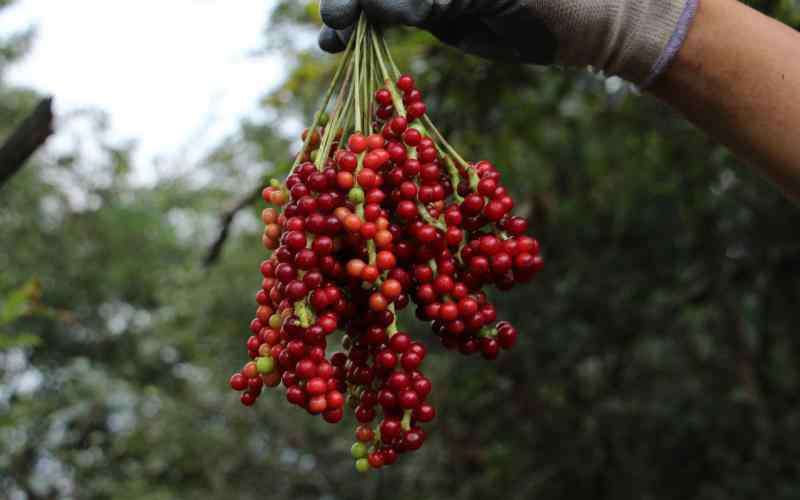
(275, 321)
(265, 365)
(362, 465)
(358, 450)
(356, 195)
(323, 119)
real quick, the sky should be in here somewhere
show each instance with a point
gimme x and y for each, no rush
(169, 73)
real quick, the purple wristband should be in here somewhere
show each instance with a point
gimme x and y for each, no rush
(674, 44)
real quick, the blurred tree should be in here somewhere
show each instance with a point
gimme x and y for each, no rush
(658, 353)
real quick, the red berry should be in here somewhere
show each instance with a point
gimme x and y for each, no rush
(238, 382)
(385, 260)
(416, 109)
(375, 460)
(411, 361)
(383, 97)
(375, 141)
(424, 413)
(364, 414)
(405, 83)
(400, 342)
(364, 434)
(412, 137)
(408, 400)
(390, 429)
(398, 124)
(357, 143)
(507, 337)
(397, 381)
(316, 386)
(334, 399)
(348, 161)
(248, 398)
(448, 312)
(333, 416)
(422, 386)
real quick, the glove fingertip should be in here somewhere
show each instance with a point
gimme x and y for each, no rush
(339, 14)
(329, 40)
(405, 12)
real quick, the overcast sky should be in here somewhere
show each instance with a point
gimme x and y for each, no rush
(163, 69)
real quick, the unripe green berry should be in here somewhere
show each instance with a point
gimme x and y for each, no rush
(265, 365)
(488, 332)
(358, 450)
(362, 465)
(356, 195)
(275, 321)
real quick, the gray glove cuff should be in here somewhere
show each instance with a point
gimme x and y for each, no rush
(675, 43)
(634, 39)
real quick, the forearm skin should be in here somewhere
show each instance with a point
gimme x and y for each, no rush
(737, 77)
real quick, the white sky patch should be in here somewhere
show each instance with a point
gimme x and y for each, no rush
(175, 76)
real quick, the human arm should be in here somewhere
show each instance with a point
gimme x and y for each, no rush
(737, 77)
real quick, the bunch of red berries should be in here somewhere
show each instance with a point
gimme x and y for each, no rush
(362, 229)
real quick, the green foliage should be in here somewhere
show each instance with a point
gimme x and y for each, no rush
(658, 348)
(13, 46)
(17, 304)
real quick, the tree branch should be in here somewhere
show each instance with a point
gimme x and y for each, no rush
(226, 219)
(26, 139)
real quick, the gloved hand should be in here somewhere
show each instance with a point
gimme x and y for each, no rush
(634, 39)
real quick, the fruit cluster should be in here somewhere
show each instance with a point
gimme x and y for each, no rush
(363, 228)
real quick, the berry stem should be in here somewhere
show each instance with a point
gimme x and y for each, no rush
(344, 62)
(371, 251)
(303, 312)
(341, 109)
(389, 58)
(405, 424)
(358, 70)
(427, 217)
(455, 178)
(392, 329)
(388, 81)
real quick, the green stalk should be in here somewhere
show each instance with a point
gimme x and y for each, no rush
(389, 57)
(340, 109)
(405, 424)
(358, 36)
(392, 330)
(304, 313)
(366, 58)
(455, 178)
(367, 80)
(325, 100)
(389, 82)
(371, 251)
(427, 217)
